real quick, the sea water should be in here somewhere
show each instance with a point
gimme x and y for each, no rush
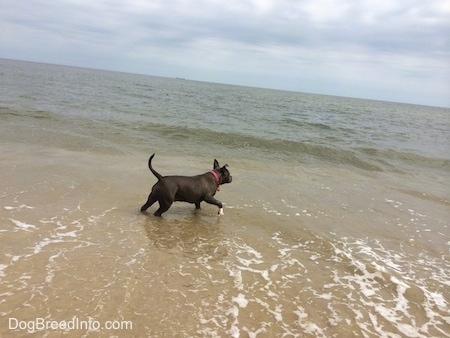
(336, 223)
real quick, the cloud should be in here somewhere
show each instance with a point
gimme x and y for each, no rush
(385, 49)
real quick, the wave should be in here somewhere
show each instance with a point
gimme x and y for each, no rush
(392, 157)
(270, 146)
(315, 125)
(365, 158)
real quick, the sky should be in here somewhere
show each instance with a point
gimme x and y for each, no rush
(391, 50)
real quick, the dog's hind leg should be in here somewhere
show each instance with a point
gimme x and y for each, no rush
(151, 199)
(163, 207)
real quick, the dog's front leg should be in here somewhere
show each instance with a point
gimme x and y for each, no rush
(212, 200)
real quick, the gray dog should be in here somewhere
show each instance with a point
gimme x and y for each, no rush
(192, 189)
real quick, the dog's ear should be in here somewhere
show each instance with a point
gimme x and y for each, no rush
(216, 164)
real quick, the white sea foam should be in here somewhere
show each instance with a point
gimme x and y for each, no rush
(72, 234)
(22, 225)
(374, 281)
(236, 274)
(42, 244)
(397, 281)
(241, 300)
(2, 268)
(22, 206)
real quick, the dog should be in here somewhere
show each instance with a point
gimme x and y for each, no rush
(191, 189)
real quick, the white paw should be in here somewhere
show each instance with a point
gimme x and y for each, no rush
(221, 212)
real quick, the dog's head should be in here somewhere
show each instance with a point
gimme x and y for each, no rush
(224, 174)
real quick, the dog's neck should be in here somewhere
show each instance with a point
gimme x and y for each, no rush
(216, 177)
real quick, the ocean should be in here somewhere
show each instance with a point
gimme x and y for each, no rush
(336, 223)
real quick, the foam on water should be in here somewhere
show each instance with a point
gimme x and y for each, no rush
(22, 226)
(372, 292)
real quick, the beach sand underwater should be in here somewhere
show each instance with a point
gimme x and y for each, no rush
(354, 246)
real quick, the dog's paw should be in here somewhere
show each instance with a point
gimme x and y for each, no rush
(221, 212)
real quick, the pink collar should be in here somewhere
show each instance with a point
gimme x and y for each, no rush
(216, 177)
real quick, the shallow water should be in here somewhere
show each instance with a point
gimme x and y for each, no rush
(336, 222)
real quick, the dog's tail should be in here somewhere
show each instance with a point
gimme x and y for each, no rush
(158, 176)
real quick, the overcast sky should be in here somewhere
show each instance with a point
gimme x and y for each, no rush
(395, 50)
